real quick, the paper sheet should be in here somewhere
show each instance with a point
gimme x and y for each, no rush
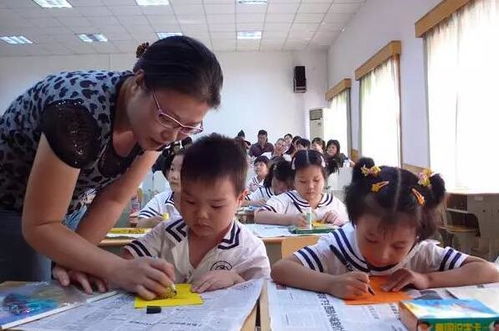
(488, 296)
(294, 309)
(184, 297)
(224, 309)
(269, 231)
(380, 295)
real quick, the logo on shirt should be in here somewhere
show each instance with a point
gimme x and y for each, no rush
(221, 265)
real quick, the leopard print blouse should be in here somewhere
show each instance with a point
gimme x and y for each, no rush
(75, 111)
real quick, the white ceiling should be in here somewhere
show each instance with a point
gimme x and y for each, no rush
(285, 24)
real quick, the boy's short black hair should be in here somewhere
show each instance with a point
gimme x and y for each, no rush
(399, 195)
(262, 133)
(212, 158)
(262, 159)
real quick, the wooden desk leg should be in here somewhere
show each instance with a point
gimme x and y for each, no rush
(264, 308)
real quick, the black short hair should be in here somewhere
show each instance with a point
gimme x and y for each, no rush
(262, 159)
(182, 64)
(295, 138)
(304, 142)
(212, 158)
(262, 133)
(280, 170)
(306, 158)
(288, 135)
(400, 195)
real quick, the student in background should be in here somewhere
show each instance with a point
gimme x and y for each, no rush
(292, 148)
(318, 145)
(207, 248)
(393, 212)
(278, 180)
(163, 206)
(288, 138)
(302, 144)
(309, 179)
(261, 146)
(279, 151)
(333, 153)
(261, 166)
(75, 131)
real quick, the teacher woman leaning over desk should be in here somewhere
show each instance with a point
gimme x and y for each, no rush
(76, 131)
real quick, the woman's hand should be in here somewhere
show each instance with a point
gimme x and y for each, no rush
(87, 282)
(216, 279)
(146, 276)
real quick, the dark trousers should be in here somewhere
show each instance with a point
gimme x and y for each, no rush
(18, 260)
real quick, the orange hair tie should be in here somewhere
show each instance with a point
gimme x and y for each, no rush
(373, 171)
(379, 185)
(419, 196)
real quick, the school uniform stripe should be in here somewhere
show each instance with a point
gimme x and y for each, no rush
(454, 260)
(247, 198)
(269, 208)
(297, 207)
(315, 257)
(142, 247)
(146, 214)
(296, 200)
(268, 192)
(136, 249)
(327, 200)
(306, 258)
(170, 230)
(444, 260)
(347, 243)
(180, 229)
(233, 241)
(345, 254)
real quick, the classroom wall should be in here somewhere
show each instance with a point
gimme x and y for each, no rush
(257, 93)
(377, 23)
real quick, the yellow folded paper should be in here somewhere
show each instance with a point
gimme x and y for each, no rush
(184, 297)
(319, 224)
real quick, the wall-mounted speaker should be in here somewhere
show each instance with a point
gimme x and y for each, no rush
(299, 80)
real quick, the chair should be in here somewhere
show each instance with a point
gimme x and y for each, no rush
(290, 245)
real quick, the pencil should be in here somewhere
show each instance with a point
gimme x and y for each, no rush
(348, 265)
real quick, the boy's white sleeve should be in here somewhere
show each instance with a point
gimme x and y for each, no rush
(431, 258)
(150, 244)
(255, 196)
(255, 264)
(318, 257)
(153, 207)
(275, 204)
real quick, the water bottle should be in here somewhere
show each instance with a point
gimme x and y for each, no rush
(346, 163)
(309, 215)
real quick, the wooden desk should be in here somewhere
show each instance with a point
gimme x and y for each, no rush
(249, 323)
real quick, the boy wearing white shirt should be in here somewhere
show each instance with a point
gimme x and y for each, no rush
(208, 248)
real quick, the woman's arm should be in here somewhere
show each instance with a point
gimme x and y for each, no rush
(50, 186)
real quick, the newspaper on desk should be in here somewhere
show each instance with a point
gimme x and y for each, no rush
(270, 231)
(295, 309)
(225, 309)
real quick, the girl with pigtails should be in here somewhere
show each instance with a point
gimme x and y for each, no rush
(392, 214)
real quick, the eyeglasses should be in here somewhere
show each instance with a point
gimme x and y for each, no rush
(169, 122)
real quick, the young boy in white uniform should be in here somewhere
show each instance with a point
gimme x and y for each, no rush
(208, 248)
